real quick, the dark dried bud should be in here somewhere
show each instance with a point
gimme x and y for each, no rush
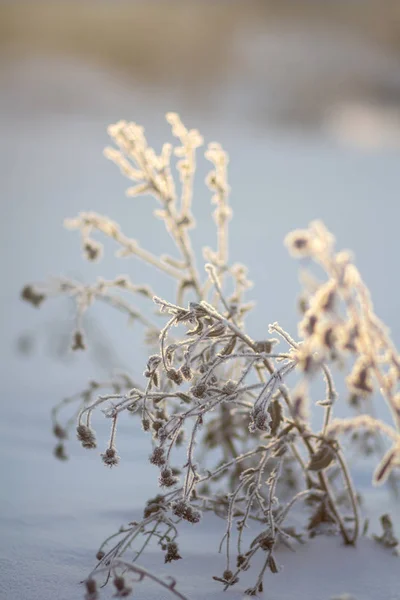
(186, 372)
(157, 457)
(122, 590)
(172, 552)
(86, 436)
(180, 438)
(100, 555)
(198, 390)
(264, 346)
(227, 575)
(261, 421)
(78, 342)
(267, 543)
(229, 387)
(92, 250)
(153, 362)
(30, 295)
(91, 590)
(175, 376)
(167, 478)
(145, 424)
(59, 452)
(360, 380)
(59, 432)
(328, 337)
(110, 457)
(242, 562)
(186, 511)
(119, 582)
(307, 326)
(157, 425)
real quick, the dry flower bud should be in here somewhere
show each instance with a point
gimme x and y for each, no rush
(60, 432)
(91, 590)
(175, 376)
(299, 243)
(122, 590)
(158, 457)
(199, 390)
(30, 295)
(167, 478)
(86, 436)
(186, 372)
(78, 341)
(59, 452)
(172, 552)
(110, 457)
(186, 511)
(92, 250)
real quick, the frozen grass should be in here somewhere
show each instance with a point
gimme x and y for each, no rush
(228, 416)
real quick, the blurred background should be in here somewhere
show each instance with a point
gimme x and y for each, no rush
(305, 96)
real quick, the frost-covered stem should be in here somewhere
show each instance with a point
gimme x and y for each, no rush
(182, 240)
(352, 494)
(190, 467)
(326, 487)
(331, 396)
(143, 573)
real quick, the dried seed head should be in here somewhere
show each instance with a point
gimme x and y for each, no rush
(261, 421)
(59, 452)
(167, 478)
(145, 424)
(307, 325)
(100, 554)
(153, 362)
(229, 387)
(92, 250)
(186, 372)
(267, 543)
(183, 509)
(360, 380)
(91, 590)
(122, 590)
(199, 390)
(327, 336)
(172, 552)
(175, 376)
(264, 346)
(60, 432)
(78, 342)
(157, 457)
(29, 294)
(157, 425)
(299, 243)
(86, 436)
(110, 457)
(242, 562)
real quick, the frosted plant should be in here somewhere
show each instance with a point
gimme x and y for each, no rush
(252, 456)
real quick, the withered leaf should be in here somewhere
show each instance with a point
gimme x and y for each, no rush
(321, 459)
